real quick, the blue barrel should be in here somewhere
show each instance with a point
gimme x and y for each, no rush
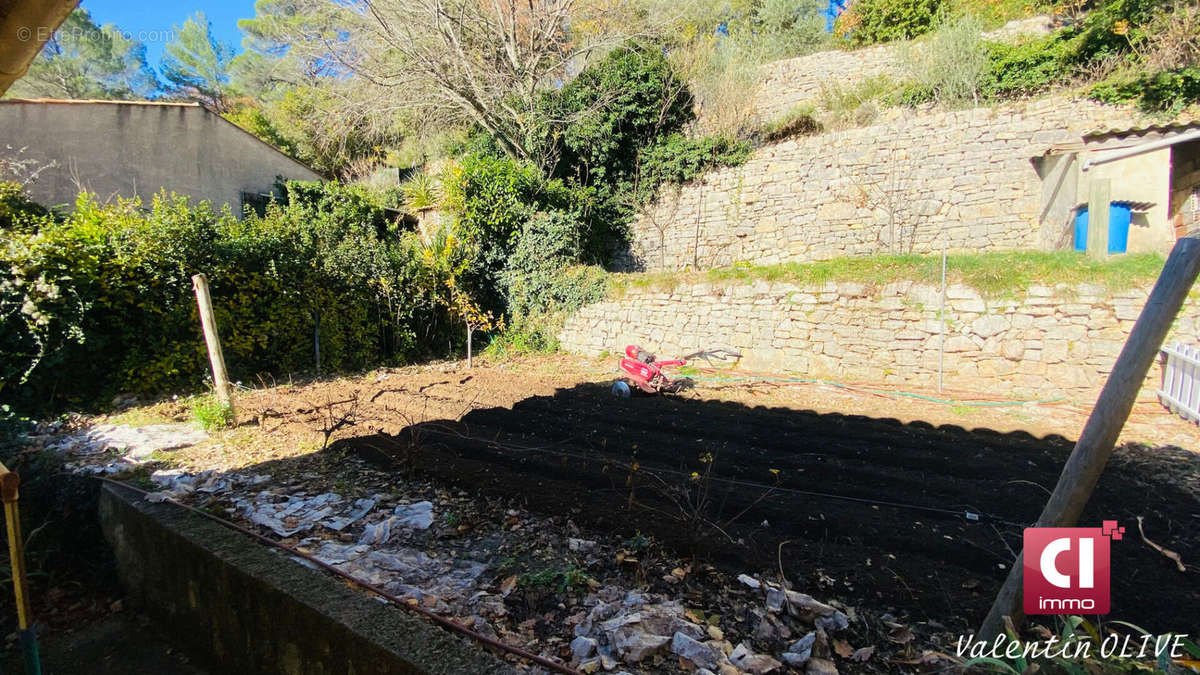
(1119, 215)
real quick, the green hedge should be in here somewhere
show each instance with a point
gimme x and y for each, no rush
(101, 302)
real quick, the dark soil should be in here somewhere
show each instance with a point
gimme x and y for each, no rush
(888, 531)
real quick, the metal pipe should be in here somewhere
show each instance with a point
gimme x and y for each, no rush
(1142, 148)
(436, 618)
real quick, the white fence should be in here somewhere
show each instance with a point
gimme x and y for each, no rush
(1180, 391)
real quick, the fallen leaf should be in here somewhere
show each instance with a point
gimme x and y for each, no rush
(901, 635)
(863, 654)
(508, 585)
(842, 648)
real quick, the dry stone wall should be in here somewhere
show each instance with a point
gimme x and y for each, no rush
(1052, 341)
(789, 83)
(904, 184)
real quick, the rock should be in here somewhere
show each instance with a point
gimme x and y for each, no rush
(633, 644)
(580, 545)
(697, 652)
(582, 647)
(771, 629)
(803, 646)
(800, 652)
(794, 660)
(749, 581)
(756, 664)
(775, 599)
(802, 602)
(418, 515)
(836, 622)
(820, 666)
(590, 666)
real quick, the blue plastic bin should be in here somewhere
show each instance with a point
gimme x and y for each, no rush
(1119, 215)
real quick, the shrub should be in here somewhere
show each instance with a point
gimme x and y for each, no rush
(1026, 68)
(211, 414)
(17, 211)
(679, 159)
(873, 21)
(854, 104)
(421, 192)
(1165, 92)
(106, 294)
(616, 107)
(544, 273)
(951, 64)
(787, 28)
(1113, 27)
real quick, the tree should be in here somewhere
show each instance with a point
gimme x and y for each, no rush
(287, 45)
(196, 64)
(485, 62)
(83, 60)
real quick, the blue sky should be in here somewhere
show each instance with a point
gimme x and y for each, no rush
(153, 19)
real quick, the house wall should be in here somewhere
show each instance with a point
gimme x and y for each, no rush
(1185, 188)
(137, 149)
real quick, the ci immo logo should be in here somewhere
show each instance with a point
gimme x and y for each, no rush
(1067, 568)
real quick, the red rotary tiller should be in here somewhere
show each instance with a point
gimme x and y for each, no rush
(645, 372)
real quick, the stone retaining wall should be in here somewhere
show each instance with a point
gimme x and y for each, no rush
(789, 83)
(969, 178)
(1059, 341)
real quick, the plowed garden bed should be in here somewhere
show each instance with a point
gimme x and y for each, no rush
(912, 518)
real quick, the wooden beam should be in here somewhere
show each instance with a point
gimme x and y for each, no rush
(1096, 442)
(212, 340)
(1099, 197)
(25, 26)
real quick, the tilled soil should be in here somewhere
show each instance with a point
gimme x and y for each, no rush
(912, 518)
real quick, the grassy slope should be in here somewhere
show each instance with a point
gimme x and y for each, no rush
(992, 274)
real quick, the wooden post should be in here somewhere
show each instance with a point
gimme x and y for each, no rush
(1095, 446)
(1099, 197)
(215, 356)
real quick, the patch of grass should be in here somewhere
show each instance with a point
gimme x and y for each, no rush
(992, 274)
(799, 121)
(556, 578)
(164, 459)
(211, 414)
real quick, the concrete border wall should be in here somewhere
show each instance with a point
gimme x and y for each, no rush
(1050, 342)
(239, 607)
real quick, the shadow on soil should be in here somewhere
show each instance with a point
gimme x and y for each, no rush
(905, 517)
